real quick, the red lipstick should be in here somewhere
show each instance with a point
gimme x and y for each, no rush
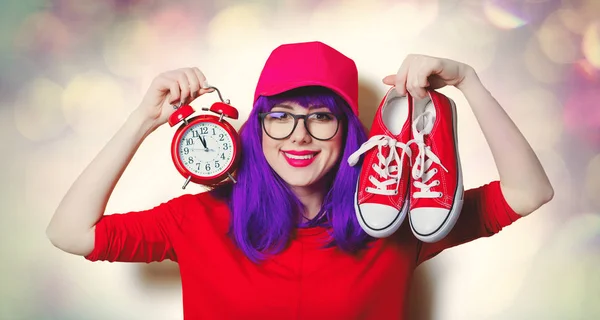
(299, 158)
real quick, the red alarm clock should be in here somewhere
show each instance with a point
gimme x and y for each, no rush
(205, 148)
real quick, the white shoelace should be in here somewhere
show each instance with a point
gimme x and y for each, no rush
(388, 175)
(425, 158)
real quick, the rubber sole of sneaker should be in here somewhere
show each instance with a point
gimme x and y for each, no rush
(387, 230)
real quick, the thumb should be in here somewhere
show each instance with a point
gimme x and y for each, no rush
(390, 80)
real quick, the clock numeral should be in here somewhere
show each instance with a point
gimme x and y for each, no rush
(226, 146)
(186, 151)
(217, 164)
(207, 167)
(223, 156)
(195, 134)
(203, 130)
(189, 142)
(221, 136)
(191, 160)
(214, 132)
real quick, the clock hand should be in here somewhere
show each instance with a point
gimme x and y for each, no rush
(203, 141)
(200, 149)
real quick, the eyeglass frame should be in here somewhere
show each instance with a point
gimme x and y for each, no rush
(296, 117)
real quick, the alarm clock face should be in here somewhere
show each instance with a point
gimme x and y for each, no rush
(206, 149)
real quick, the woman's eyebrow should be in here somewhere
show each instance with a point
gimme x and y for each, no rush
(321, 108)
(284, 106)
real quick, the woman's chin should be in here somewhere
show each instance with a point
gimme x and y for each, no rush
(298, 182)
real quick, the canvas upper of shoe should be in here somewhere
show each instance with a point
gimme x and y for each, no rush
(422, 170)
(381, 200)
(385, 174)
(434, 153)
(385, 154)
(436, 190)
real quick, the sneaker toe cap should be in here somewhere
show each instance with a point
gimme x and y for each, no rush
(426, 221)
(378, 216)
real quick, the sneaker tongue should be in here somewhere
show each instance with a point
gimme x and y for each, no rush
(425, 123)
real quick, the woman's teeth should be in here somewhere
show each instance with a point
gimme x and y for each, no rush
(304, 157)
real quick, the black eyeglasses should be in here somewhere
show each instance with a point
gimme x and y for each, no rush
(280, 125)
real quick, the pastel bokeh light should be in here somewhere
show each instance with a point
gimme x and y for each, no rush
(591, 43)
(502, 17)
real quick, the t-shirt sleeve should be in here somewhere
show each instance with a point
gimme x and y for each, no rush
(485, 212)
(139, 236)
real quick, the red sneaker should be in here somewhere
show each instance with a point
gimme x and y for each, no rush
(436, 191)
(381, 198)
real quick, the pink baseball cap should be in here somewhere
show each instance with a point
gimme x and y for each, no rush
(314, 63)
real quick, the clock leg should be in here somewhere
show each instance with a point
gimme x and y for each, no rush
(231, 177)
(186, 182)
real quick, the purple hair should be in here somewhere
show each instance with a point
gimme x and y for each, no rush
(264, 211)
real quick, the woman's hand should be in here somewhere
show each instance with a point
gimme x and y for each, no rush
(171, 87)
(419, 72)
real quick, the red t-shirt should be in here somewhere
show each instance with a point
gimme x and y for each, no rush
(303, 282)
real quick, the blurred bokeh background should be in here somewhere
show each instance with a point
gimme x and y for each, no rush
(73, 70)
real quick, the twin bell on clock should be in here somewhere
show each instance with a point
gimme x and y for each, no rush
(205, 148)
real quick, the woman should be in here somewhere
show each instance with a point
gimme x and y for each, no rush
(284, 241)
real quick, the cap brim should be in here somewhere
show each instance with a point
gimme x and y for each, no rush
(283, 87)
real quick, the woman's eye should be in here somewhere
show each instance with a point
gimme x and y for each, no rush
(278, 115)
(321, 116)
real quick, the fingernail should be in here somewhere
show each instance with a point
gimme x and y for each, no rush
(205, 84)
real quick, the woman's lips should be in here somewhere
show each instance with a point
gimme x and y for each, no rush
(300, 158)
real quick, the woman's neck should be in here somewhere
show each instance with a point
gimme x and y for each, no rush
(312, 199)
